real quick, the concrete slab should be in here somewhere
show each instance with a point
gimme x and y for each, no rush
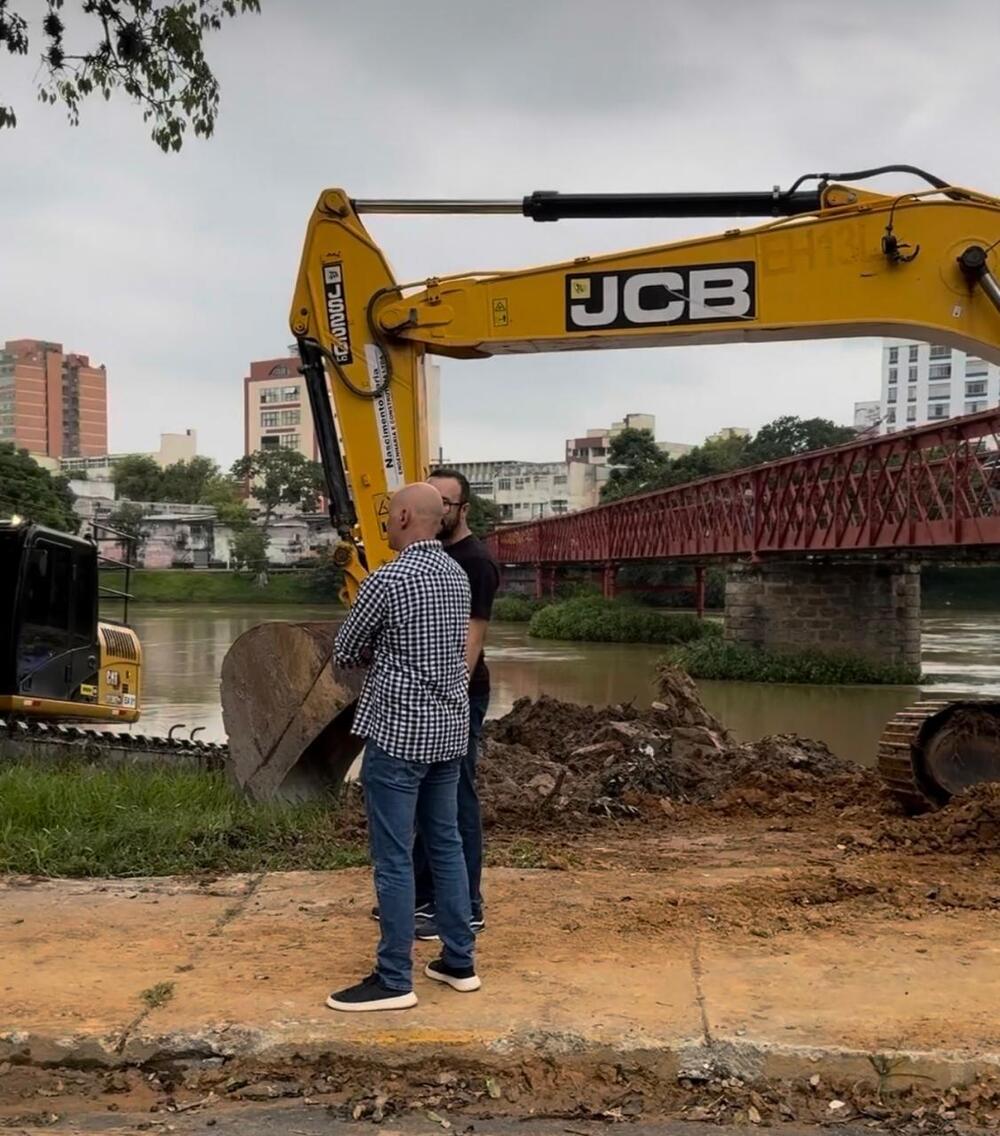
(929, 986)
(594, 966)
(78, 954)
(303, 934)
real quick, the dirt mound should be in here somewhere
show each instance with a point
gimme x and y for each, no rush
(546, 725)
(969, 822)
(553, 763)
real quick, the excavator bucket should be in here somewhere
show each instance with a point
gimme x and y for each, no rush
(288, 711)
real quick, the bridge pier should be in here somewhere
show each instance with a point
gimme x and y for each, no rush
(870, 609)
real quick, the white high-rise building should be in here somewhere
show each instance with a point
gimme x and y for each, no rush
(923, 382)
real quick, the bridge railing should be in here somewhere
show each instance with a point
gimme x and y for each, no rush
(934, 487)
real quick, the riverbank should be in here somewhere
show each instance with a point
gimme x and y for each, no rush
(217, 586)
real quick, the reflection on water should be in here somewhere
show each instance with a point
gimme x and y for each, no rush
(184, 648)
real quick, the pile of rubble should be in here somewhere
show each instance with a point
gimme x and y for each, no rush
(550, 762)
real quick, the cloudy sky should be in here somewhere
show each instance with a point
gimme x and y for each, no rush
(177, 270)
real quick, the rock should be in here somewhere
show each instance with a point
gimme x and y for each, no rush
(599, 749)
(620, 732)
(696, 743)
(680, 703)
(542, 784)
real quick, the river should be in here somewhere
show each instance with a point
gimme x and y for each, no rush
(184, 648)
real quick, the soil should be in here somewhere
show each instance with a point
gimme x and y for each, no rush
(455, 1095)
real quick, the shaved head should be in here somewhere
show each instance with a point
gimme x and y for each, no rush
(415, 513)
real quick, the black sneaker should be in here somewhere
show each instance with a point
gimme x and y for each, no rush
(424, 912)
(371, 994)
(477, 923)
(463, 978)
(425, 928)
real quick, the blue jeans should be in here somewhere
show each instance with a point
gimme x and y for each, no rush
(398, 796)
(470, 823)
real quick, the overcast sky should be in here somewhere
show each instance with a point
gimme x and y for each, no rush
(177, 270)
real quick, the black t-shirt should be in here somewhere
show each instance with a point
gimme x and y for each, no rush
(484, 579)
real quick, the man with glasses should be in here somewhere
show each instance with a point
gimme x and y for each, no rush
(474, 558)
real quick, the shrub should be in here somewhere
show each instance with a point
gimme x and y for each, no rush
(613, 621)
(715, 659)
(515, 609)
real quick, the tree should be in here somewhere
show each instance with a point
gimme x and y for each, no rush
(138, 478)
(249, 550)
(637, 463)
(29, 491)
(326, 578)
(127, 518)
(713, 456)
(787, 436)
(151, 51)
(640, 470)
(186, 481)
(281, 477)
(484, 515)
(223, 494)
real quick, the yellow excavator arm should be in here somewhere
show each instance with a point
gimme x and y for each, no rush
(835, 261)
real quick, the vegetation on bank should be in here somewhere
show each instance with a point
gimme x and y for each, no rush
(715, 659)
(616, 621)
(516, 609)
(216, 586)
(74, 820)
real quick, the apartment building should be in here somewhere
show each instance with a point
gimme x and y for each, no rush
(277, 414)
(526, 491)
(595, 445)
(276, 411)
(52, 403)
(173, 448)
(923, 382)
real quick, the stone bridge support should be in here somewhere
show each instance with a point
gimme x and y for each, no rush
(871, 609)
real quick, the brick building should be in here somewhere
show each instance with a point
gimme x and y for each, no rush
(52, 403)
(277, 414)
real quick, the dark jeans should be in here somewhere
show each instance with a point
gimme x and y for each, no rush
(470, 824)
(398, 796)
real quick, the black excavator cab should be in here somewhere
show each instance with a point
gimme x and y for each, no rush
(49, 642)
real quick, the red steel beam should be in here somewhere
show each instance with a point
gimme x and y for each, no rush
(935, 487)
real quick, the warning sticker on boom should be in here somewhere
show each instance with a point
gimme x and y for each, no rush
(385, 420)
(336, 312)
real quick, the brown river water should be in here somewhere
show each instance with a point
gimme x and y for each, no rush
(184, 648)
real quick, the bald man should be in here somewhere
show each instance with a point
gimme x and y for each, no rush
(409, 626)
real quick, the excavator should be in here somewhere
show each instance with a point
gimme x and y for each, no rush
(59, 662)
(832, 259)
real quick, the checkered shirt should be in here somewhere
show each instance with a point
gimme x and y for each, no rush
(409, 625)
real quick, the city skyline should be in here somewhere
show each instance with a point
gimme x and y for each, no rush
(177, 305)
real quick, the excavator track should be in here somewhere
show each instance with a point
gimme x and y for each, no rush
(27, 737)
(936, 748)
(897, 754)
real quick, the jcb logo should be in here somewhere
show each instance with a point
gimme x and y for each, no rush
(652, 297)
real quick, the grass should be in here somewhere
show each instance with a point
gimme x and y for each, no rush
(617, 621)
(714, 659)
(158, 995)
(73, 820)
(187, 585)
